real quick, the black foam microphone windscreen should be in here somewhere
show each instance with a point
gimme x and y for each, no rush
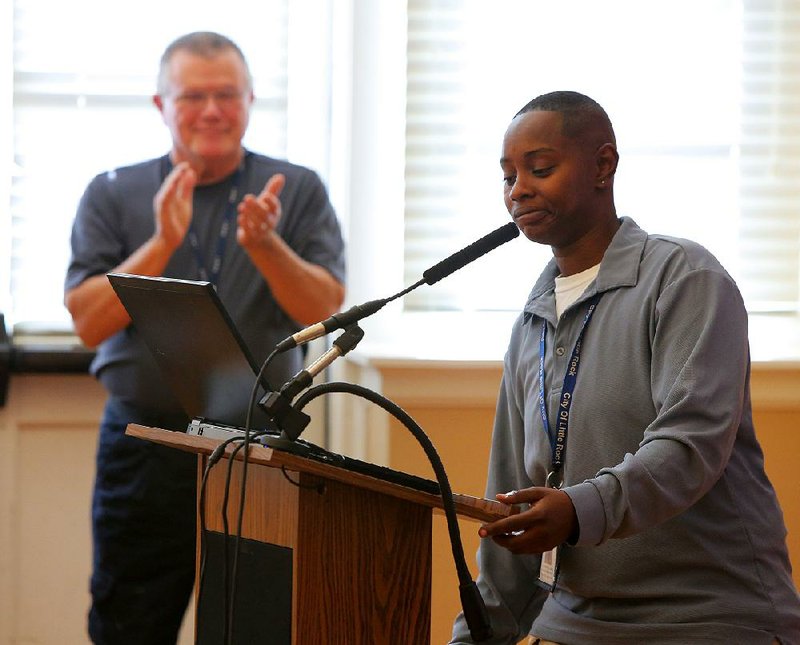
(480, 247)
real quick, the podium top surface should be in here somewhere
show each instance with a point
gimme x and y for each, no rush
(475, 508)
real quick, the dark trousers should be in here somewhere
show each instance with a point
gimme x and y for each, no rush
(143, 529)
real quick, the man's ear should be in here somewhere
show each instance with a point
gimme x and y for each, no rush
(607, 159)
(158, 102)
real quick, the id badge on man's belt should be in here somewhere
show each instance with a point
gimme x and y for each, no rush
(548, 569)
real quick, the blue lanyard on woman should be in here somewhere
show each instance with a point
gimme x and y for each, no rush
(558, 441)
(212, 275)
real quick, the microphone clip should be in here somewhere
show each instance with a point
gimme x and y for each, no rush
(279, 408)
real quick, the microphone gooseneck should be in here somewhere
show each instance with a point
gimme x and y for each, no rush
(449, 265)
(472, 603)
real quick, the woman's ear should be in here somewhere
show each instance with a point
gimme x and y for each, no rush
(607, 160)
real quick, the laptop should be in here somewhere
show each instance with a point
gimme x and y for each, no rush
(208, 366)
(201, 354)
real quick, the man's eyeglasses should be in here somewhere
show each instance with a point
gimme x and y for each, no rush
(198, 100)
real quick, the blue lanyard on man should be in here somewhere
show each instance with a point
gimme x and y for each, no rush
(212, 274)
(558, 440)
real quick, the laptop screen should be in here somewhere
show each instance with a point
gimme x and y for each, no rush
(197, 347)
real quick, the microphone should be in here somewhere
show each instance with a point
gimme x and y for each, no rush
(278, 405)
(336, 321)
(461, 258)
(468, 254)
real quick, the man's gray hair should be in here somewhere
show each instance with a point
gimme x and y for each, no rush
(200, 43)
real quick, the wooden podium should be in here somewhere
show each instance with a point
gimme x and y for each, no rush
(331, 556)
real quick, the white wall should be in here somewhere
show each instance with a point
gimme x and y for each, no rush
(48, 432)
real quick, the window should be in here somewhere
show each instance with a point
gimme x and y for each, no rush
(83, 76)
(704, 100)
(703, 96)
(769, 161)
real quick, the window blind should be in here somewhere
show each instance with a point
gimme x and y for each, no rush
(82, 105)
(704, 98)
(769, 177)
(452, 148)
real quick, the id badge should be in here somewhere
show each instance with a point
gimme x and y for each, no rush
(548, 569)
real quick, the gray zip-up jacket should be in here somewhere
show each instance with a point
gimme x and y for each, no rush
(681, 537)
